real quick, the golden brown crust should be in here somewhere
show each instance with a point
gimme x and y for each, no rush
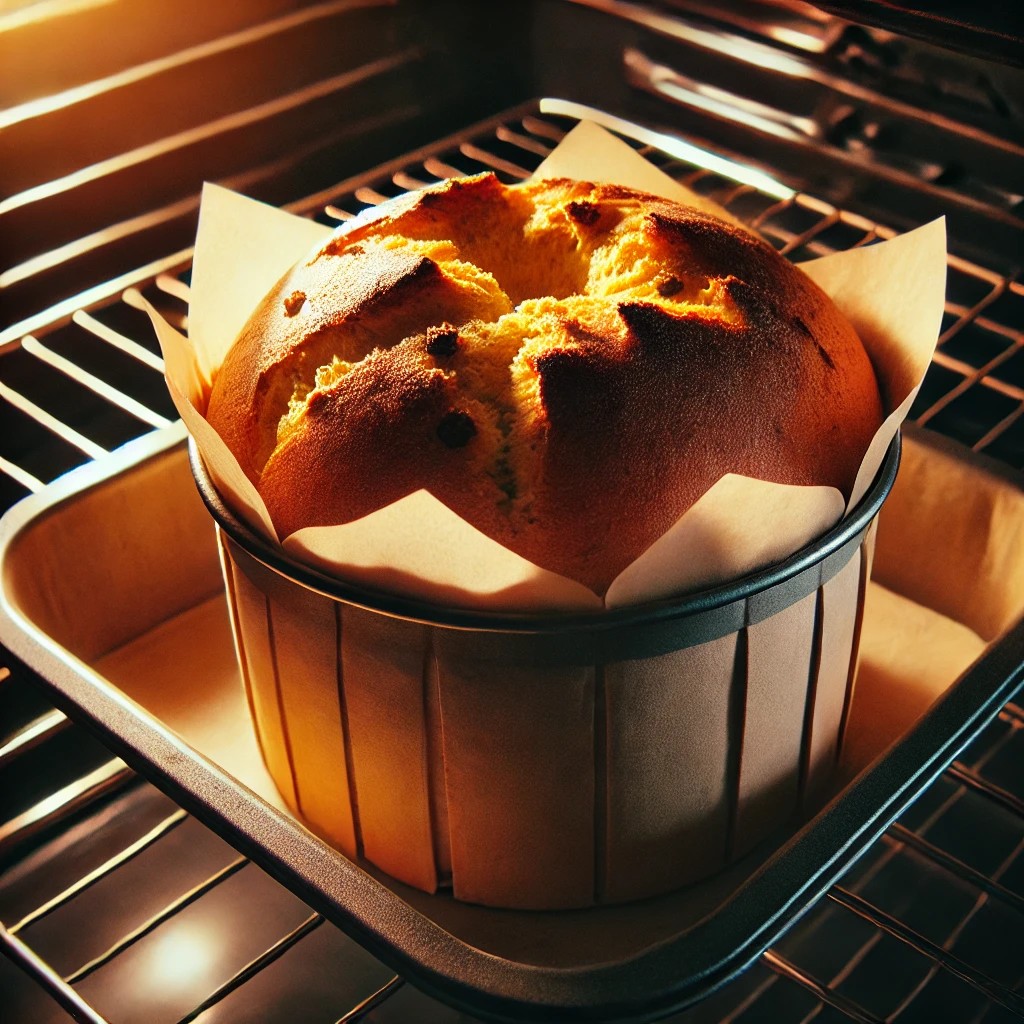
(392, 425)
(652, 349)
(368, 298)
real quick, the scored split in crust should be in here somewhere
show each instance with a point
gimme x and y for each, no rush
(568, 366)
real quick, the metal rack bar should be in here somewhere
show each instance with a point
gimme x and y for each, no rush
(1014, 711)
(545, 129)
(495, 162)
(440, 169)
(504, 134)
(100, 387)
(745, 1004)
(917, 990)
(336, 213)
(407, 181)
(955, 866)
(118, 340)
(805, 236)
(65, 802)
(972, 314)
(969, 777)
(87, 881)
(173, 286)
(855, 961)
(156, 920)
(371, 1002)
(983, 372)
(54, 425)
(38, 969)
(787, 969)
(370, 196)
(32, 735)
(1001, 427)
(255, 966)
(966, 370)
(21, 476)
(934, 952)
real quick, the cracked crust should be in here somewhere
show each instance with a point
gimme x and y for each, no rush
(568, 366)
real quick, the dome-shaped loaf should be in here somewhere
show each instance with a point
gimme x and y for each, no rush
(568, 366)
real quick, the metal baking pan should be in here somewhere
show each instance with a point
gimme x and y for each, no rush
(110, 590)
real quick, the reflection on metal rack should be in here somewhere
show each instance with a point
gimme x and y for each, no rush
(822, 962)
(890, 942)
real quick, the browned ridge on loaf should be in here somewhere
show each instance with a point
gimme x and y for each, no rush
(568, 366)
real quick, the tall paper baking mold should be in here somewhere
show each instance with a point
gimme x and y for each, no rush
(542, 763)
(548, 768)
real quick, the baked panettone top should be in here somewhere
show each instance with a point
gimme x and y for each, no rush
(568, 366)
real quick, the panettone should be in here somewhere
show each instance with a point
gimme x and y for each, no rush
(568, 366)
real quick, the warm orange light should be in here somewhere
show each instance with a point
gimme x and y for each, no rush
(181, 958)
(16, 13)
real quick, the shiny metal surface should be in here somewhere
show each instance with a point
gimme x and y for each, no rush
(931, 916)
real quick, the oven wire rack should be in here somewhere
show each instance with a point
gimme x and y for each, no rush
(930, 909)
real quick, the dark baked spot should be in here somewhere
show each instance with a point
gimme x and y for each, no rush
(669, 286)
(294, 302)
(724, 249)
(578, 332)
(826, 358)
(653, 326)
(753, 301)
(444, 194)
(584, 213)
(442, 340)
(456, 430)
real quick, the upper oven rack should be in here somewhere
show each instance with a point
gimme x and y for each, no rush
(101, 410)
(974, 391)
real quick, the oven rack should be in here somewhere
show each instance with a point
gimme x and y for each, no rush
(89, 383)
(99, 352)
(929, 958)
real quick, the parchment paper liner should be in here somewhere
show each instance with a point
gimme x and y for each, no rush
(892, 292)
(540, 775)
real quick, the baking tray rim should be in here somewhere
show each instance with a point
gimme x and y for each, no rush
(642, 987)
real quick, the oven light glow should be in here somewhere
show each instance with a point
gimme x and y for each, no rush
(16, 13)
(678, 148)
(726, 43)
(710, 103)
(182, 957)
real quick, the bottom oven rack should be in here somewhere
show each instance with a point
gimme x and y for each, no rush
(927, 926)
